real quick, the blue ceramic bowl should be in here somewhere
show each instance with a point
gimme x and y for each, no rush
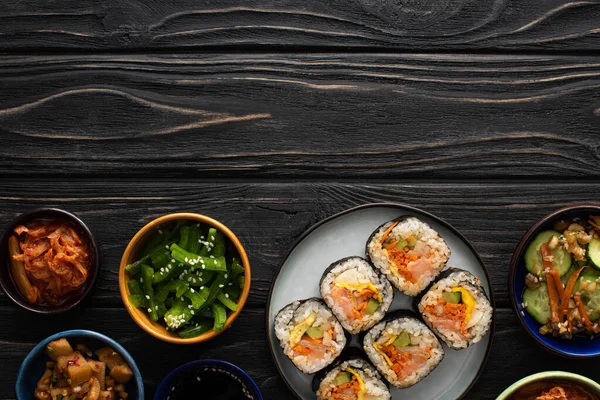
(165, 386)
(34, 364)
(579, 346)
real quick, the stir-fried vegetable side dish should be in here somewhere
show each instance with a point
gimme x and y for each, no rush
(49, 260)
(563, 283)
(190, 278)
(74, 374)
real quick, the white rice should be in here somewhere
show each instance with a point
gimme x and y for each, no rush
(292, 315)
(420, 336)
(353, 271)
(375, 388)
(480, 320)
(430, 246)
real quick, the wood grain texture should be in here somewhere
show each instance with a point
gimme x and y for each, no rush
(398, 24)
(245, 344)
(309, 116)
(269, 217)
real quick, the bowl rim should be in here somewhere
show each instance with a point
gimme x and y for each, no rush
(545, 376)
(90, 282)
(518, 253)
(144, 322)
(208, 362)
(85, 333)
(403, 207)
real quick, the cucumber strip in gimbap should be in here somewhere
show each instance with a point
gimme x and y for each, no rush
(352, 379)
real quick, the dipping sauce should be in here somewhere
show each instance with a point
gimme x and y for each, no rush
(554, 390)
(209, 383)
(49, 260)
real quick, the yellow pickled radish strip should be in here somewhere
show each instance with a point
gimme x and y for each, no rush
(298, 331)
(362, 388)
(468, 300)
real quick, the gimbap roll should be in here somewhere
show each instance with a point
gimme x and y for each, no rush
(356, 294)
(457, 309)
(353, 379)
(409, 252)
(309, 334)
(403, 349)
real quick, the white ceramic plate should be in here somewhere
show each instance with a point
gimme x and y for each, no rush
(344, 235)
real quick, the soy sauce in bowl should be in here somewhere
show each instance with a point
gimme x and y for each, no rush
(208, 379)
(211, 383)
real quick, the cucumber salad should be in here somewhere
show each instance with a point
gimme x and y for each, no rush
(563, 280)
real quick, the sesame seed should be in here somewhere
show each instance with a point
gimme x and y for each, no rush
(166, 246)
(226, 295)
(203, 266)
(149, 310)
(192, 312)
(230, 284)
(160, 231)
(192, 290)
(225, 276)
(199, 240)
(186, 259)
(201, 287)
(173, 260)
(211, 256)
(201, 237)
(198, 379)
(221, 285)
(141, 279)
(156, 307)
(216, 262)
(194, 280)
(147, 297)
(190, 279)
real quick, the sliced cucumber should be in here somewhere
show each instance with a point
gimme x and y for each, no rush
(372, 306)
(314, 332)
(593, 253)
(412, 242)
(343, 377)
(402, 340)
(537, 303)
(401, 244)
(591, 300)
(533, 256)
(452, 297)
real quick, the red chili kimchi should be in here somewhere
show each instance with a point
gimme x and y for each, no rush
(55, 257)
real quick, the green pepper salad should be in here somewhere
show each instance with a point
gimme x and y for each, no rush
(190, 278)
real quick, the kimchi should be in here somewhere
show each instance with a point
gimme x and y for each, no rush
(54, 257)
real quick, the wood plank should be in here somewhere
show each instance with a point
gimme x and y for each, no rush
(425, 24)
(269, 217)
(244, 344)
(309, 116)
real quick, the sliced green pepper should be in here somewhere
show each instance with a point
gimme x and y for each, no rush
(202, 325)
(220, 314)
(138, 300)
(134, 287)
(219, 245)
(147, 276)
(198, 298)
(227, 302)
(176, 285)
(196, 261)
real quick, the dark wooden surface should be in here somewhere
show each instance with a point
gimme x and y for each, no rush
(272, 115)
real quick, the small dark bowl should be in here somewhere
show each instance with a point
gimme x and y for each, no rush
(34, 365)
(580, 346)
(7, 283)
(162, 393)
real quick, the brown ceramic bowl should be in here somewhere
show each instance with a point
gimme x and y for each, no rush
(130, 255)
(74, 298)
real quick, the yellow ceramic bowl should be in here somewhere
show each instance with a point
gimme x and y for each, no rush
(140, 316)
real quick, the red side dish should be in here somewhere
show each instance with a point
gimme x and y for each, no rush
(49, 260)
(549, 390)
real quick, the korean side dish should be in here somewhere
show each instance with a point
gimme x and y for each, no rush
(553, 390)
(74, 374)
(49, 260)
(209, 383)
(357, 294)
(563, 281)
(189, 278)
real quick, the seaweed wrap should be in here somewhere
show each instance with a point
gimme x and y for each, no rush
(309, 334)
(357, 294)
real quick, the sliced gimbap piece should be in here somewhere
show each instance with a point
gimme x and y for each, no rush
(309, 334)
(356, 293)
(409, 252)
(403, 349)
(352, 379)
(457, 308)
